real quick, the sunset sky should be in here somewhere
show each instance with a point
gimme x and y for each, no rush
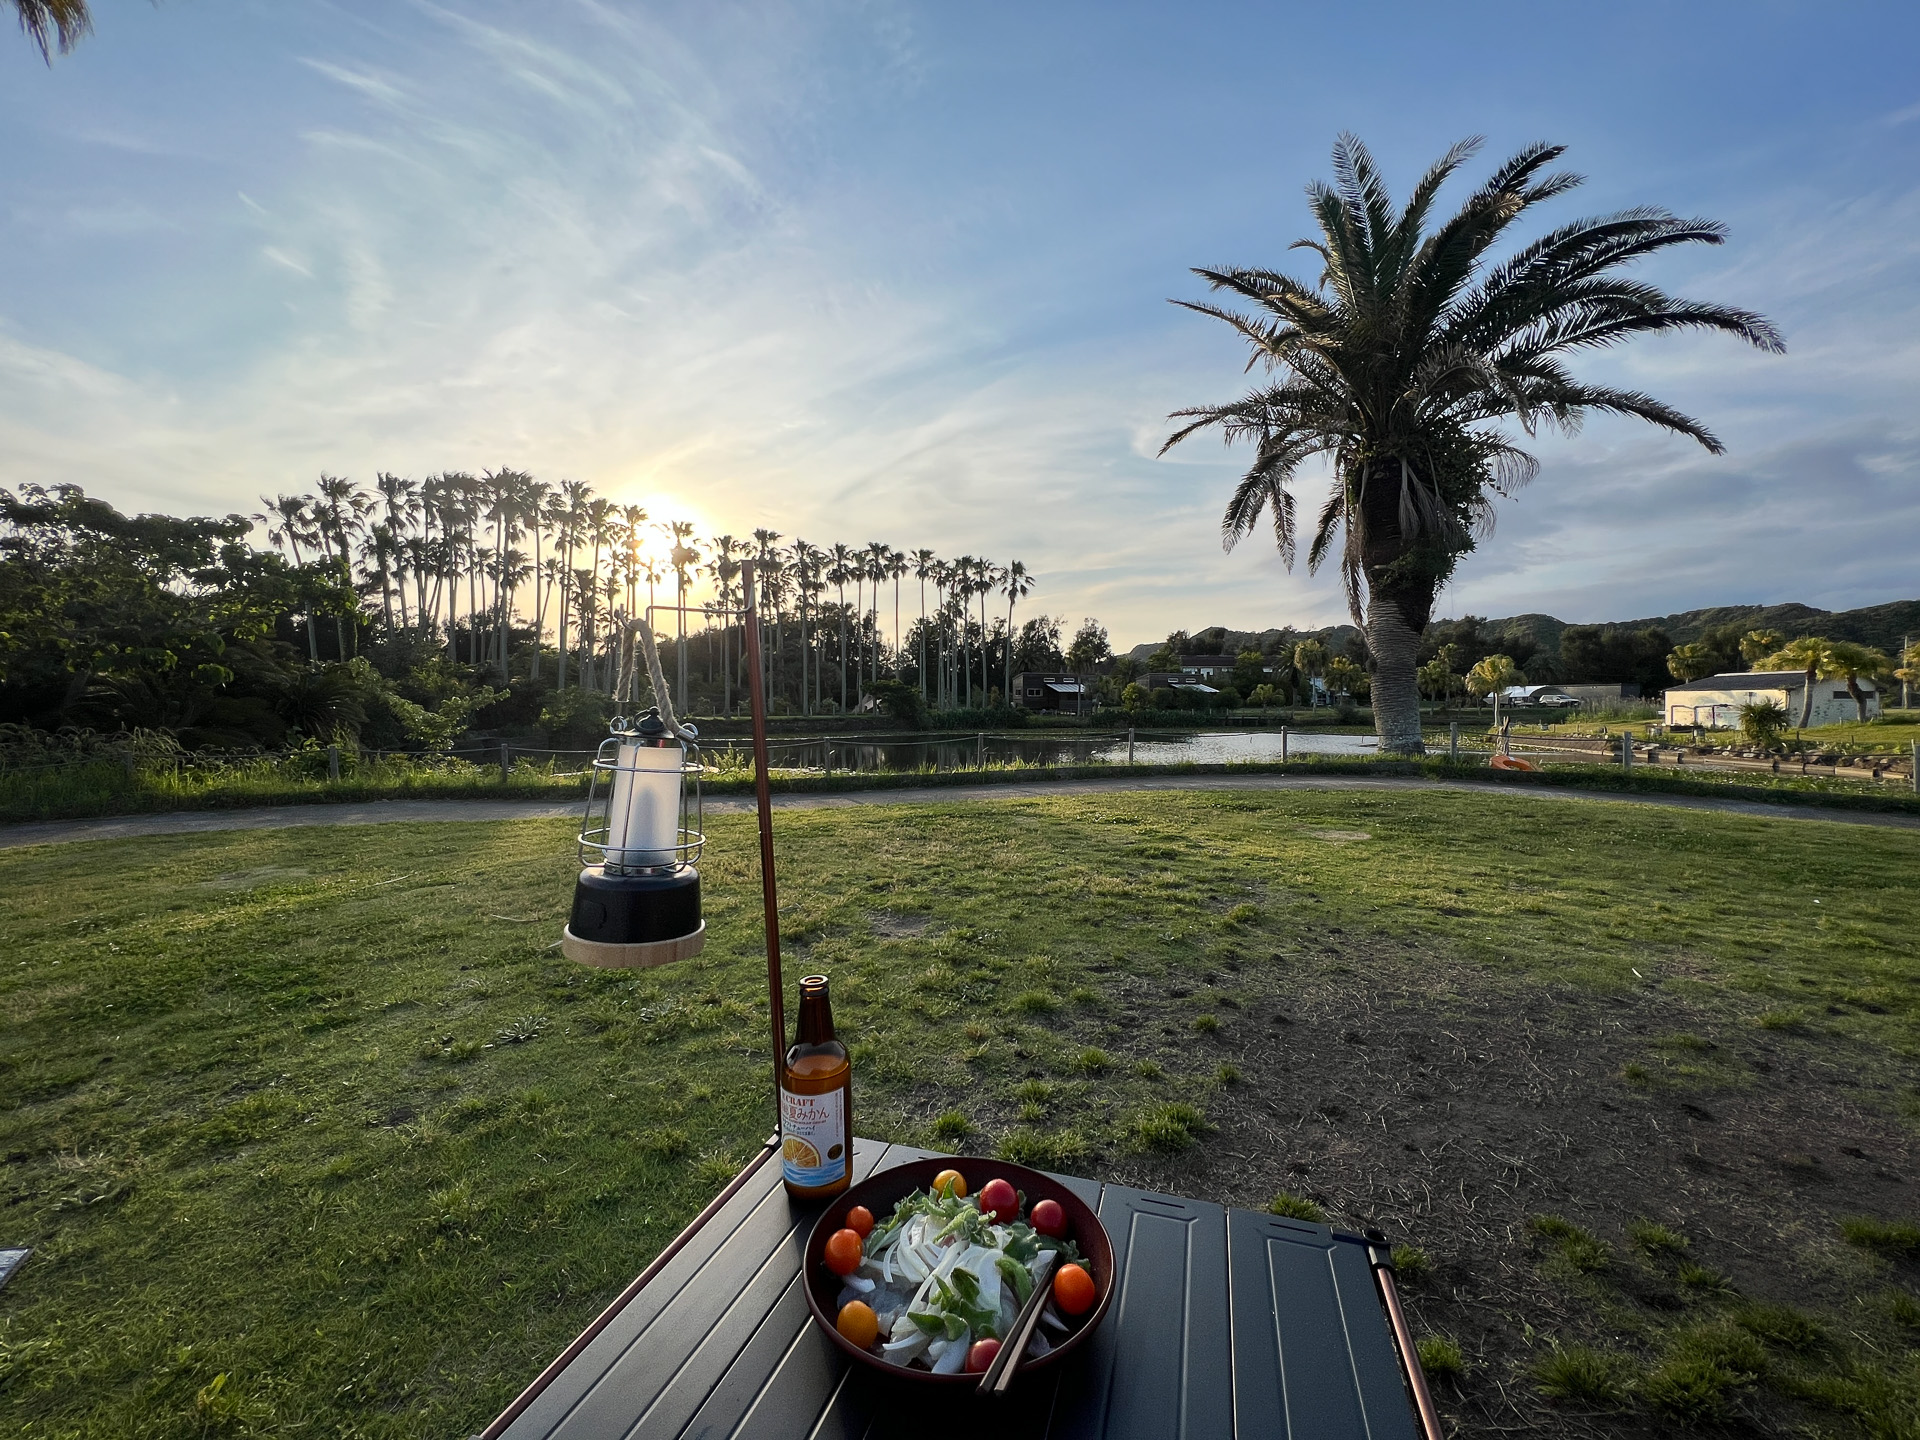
(876, 271)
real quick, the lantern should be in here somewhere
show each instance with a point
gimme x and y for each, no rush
(637, 902)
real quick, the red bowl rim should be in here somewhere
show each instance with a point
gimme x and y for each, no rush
(895, 1181)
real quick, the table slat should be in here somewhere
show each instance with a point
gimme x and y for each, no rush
(635, 1361)
(1312, 1355)
(1160, 1364)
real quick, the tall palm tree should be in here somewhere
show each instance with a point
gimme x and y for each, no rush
(840, 569)
(294, 520)
(683, 558)
(538, 496)
(1810, 654)
(571, 522)
(807, 562)
(923, 563)
(1016, 585)
(54, 24)
(1401, 361)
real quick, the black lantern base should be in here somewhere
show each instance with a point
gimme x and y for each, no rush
(632, 921)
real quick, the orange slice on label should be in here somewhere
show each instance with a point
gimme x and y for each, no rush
(800, 1152)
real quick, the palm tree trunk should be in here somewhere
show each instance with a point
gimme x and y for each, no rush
(1396, 690)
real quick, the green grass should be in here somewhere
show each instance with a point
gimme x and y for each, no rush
(1896, 1239)
(323, 1112)
(1583, 1376)
(1296, 1207)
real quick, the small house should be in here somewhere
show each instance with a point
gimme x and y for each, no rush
(1060, 694)
(1714, 703)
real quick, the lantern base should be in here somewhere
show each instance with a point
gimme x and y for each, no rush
(631, 957)
(625, 921)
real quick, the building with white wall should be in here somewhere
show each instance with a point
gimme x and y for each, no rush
(1715, 702)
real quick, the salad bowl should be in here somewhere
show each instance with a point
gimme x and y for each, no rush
(882, 1191)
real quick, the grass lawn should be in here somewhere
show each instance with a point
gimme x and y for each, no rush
(315, 1133)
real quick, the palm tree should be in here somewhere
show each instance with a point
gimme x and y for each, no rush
(923, 563)
(1808, 653)
(54, 24)
(1400, 362)
(807, 560)
(294, 519)
(571, 520)
(1017, 584)
(682, 557)
(840, 569)
(538, 497)
(1852, 663)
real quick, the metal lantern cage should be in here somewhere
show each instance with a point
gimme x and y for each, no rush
(637, 901)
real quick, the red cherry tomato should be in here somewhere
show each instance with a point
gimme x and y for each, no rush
(1049, 1219)
(860, 1221)
(999, 1199)
(1073, 1290)
(981, 1355)
(843, 1252)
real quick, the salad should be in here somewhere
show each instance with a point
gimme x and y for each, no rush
(939, 1284)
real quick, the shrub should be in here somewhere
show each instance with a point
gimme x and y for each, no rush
(1227, 1075)
(1763, 723)
(1206, 1024)
(1441, 1359)
(1166, 1128)
(1092, 1061)
(1581, 1375)
(952, 1126)
(1898, 1239)
(1296, 1207)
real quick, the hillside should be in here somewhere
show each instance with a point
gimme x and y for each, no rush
(1881, 626)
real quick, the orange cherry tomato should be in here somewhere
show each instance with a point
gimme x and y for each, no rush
(858, 1323)
(950, 1182)
(843, 1251)
(1073, 1290)
(860, 1221)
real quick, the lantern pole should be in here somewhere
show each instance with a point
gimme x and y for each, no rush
(756, 693)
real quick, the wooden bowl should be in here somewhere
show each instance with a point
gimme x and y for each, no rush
(881, 1192)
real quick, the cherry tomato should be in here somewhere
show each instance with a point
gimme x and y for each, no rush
(981, 1355)
(1049, 1219)
(843, 1251)
(1073, 1290)
(950, 1182)
(999, 1199)
(858, 1323)
(860, 1221)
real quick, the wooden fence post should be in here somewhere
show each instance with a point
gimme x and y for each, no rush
(333, 762)
(506, 762)
(1453, 740)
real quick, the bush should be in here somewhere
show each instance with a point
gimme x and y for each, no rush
(903, 703)
(1763, 723)
(577, 714)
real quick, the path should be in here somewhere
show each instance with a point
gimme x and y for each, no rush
(194, 822)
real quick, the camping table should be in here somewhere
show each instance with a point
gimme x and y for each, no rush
(1226, 1323)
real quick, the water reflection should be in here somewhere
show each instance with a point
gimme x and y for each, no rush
(970, 752)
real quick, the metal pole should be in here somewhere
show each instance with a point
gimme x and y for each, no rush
(333, 762)
(1381, 1259)
(1626, 750)
(980, 752)
(1914, 767)
(1286, 742)
(506, 762)
(763, 797)
(1453, 740)
(1129, 744)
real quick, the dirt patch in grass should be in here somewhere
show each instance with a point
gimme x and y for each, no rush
(1567, 1177)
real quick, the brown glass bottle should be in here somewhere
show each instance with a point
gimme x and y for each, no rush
(816, 1101)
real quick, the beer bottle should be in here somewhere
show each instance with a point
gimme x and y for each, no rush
(816, 1101)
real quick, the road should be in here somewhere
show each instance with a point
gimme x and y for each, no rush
(194, 822)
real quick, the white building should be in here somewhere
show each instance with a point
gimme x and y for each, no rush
(1715, 701)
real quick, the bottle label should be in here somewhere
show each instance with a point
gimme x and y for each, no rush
(813, 1137)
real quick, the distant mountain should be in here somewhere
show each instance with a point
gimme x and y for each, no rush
(1881, 626)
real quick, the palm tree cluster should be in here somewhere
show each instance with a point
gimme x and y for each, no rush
(491, 566)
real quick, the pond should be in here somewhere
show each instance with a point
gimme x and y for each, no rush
(906, 752)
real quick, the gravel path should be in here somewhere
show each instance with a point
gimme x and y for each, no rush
(193, 822)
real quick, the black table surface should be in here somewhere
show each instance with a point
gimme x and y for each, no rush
(1226, 1323)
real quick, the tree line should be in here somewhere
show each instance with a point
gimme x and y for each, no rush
(499, 595)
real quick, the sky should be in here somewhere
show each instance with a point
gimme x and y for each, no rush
(901, 272)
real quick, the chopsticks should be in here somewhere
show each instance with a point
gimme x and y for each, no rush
(999, 1375)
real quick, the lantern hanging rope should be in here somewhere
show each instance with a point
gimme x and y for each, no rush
(639, 633)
